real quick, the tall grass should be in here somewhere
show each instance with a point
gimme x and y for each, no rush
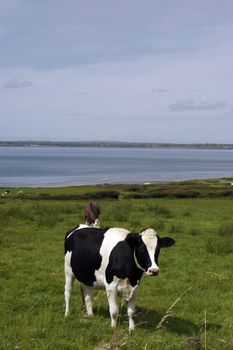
(32, 277)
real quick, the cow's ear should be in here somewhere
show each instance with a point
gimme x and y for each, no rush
(166, 242)
(133, 239)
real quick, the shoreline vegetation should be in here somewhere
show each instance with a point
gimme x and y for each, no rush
(114, 144)
(189, 189)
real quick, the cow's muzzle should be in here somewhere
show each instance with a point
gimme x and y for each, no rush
(153, 271)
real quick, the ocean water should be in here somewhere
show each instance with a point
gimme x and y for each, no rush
(67, 166)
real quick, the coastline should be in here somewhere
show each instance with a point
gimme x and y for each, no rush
(227, 180)
(117, 144)
(192, 189)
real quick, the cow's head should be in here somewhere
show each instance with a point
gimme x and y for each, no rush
(147, 246)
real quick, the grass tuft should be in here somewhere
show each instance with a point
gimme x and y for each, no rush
(119, 340)
(169, 312)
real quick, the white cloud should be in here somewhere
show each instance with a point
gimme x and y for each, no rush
(15, 84)
(201, 104)
(160, 90)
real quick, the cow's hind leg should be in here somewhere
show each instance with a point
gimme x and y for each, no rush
(86, 296)
(69, 280)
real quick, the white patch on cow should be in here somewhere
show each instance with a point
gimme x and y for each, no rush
(96, 223)
(82, 226)
(150, 239)
(87, 298)
(111, 238)
(131, 308)
(111, 291)
(124, 289)
(67, 260)
(77, 228)
(69, 280)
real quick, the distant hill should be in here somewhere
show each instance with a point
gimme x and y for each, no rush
(114, 144)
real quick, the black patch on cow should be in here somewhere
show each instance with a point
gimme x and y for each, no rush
(122, 263)
(85, 246)
(67, 233)
(134, 240)
(166, 242)
(157, 251)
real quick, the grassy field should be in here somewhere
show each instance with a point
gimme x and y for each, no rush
(189, 306)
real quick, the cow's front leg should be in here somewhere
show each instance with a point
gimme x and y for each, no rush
(87, 298)
(113, 305)
(131, 308)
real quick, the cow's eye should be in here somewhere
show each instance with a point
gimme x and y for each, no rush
(141, 249)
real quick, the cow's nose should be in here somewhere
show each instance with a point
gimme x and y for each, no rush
(153, 271)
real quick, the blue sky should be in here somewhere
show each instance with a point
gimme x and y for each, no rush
(127, 70)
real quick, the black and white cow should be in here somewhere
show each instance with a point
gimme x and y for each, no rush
(111, 258)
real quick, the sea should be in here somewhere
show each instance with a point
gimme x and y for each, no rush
(72, 166)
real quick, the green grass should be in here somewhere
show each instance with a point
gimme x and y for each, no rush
(32, 278)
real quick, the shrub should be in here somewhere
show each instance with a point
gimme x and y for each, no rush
(134, 188)
(187, 194)
(135, 195)
(187, 214)
(108, 194)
